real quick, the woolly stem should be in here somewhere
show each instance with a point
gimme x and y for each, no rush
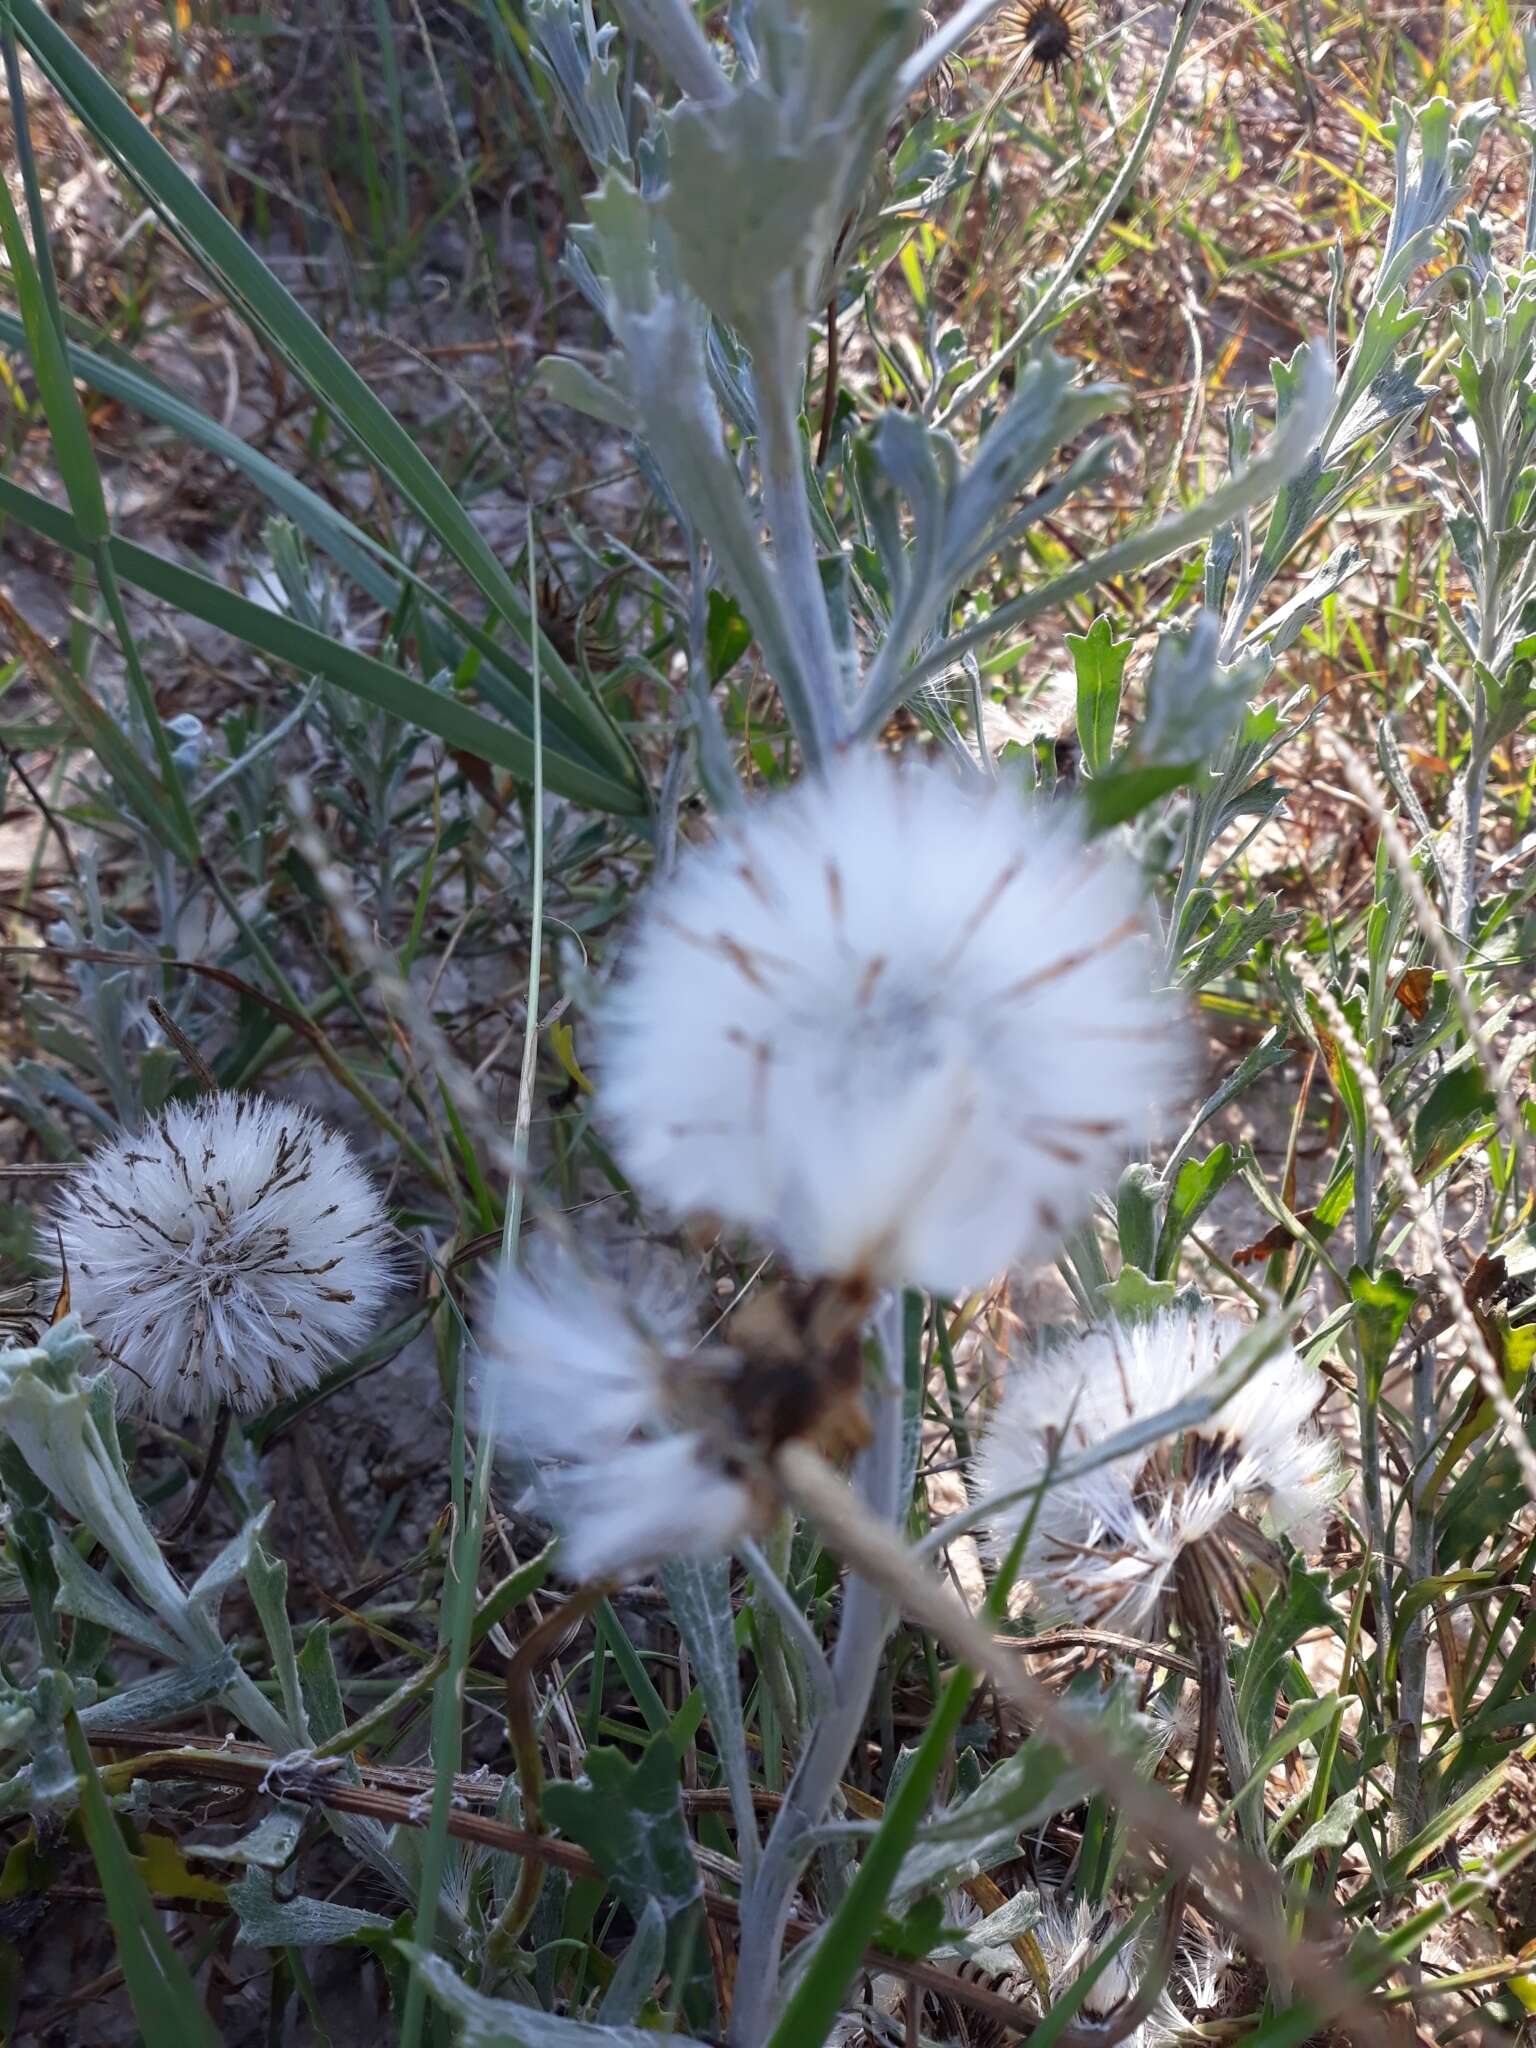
(855, 1666)
(1237, 1886)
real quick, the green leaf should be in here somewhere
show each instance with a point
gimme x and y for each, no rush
(1114, 797)
(163, 1996)
(1304, 1723)
(1136, 1205)
(727, 636)
(629, 1817)
(1236, 935)
(1383, 1303)
(61, 402)
(1131, 1294)
(1282, 1625)
(1458, 1100)
(1099, 660)
(1198, 1183)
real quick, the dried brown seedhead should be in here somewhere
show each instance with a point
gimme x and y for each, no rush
(1048, 29)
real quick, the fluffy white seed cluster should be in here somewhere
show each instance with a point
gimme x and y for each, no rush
(584, 1384)
(228, 1252)
(905, 1030)
(1104, 1548)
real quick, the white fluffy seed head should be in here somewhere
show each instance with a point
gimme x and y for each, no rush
(579, 1379)
(229, 1251)
(1104, 1548)
(901, 1028)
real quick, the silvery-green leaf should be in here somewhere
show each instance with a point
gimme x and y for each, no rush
(584, 74)
(1236, 935)
(1048, 407)
(157, 1699)
(989, 1943)
(573, 384)
(630, 1817)
(267, 1846)
(1282, 627)
(228, 1568)
(84, 1592)
(983, 1828)
(498, 2023)
(752, 204)
(1331, 1832)
(323, 1706)
(638, 1969)
(1193, 704)
(267, 1579)
(1434, 147)
(47, 1413)
(664, 346)
(699, 1593)
(18, 1717)
(269, 1922)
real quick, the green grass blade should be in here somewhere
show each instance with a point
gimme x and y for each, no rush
(55, 387)
(362, 675)
(221, 250)
(135, 782)
(164, 1997)
(501, 682)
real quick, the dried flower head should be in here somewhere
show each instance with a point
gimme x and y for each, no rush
(577, 1376)
(227, 1252)
(1105, 1547)
(1047, 29)
(661, 1446)
(903, 1028)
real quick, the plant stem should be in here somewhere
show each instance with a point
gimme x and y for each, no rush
(1045, 308)
(781, 453)
(1407, 1814)
(855, 1666)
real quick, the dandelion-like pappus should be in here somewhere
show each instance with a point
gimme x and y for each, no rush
(902, 1027)
(226, 1253)
(651, 1445)
(1106, 1547)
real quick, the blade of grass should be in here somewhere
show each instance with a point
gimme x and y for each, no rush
(219, 247)
(164, 1997)
(458, 1607)
(72, 448)
(288, 640)
(502, 681)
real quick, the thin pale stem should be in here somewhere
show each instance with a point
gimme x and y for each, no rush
(781, 453)
(1045, 308)
(1407, 1813)
(855, 1667)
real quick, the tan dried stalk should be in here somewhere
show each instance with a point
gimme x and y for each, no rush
(879, 1555)
(393, 990)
